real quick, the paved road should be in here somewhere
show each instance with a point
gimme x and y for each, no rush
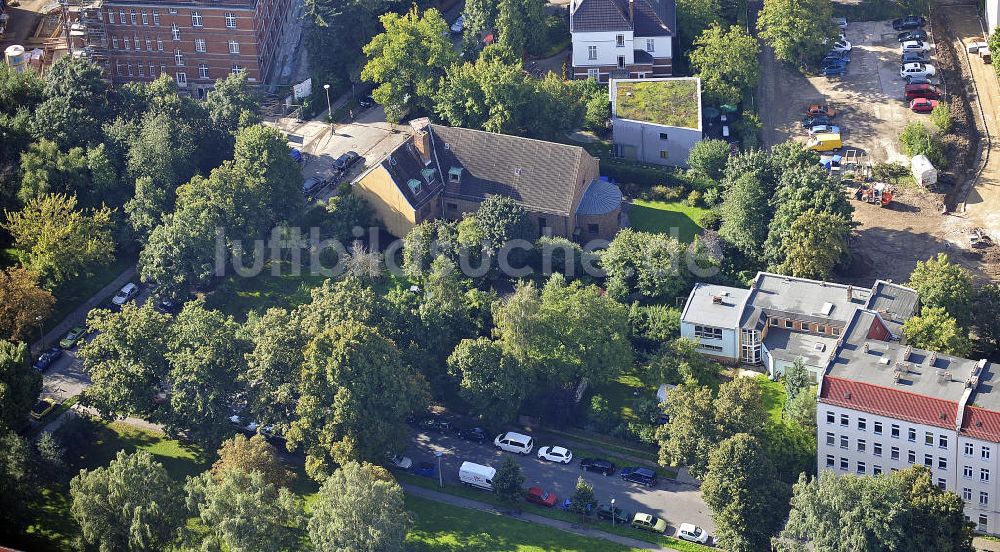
(675, 502)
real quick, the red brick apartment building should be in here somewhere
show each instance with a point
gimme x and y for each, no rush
(195, 42)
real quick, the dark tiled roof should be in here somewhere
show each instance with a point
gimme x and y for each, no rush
(403, 165)
(540, 175)
(642, 56)
(652, 17)
(892, 403)
(655, 17)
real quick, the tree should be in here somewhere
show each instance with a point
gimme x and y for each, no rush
(480, 15)
(132, 504)
(814, 244)
(231, 106)
(693, 17)
(680, 362)
(23, 303)
(708, 158)
(520, 26)
(17, 483)
(181, 252)
(986, 316)
(799, 32)
(125, 360)
(356, 393)
(244, 512)
(508, 483)
(272, 190)
(739, 408)
(359, 508)
(583, 499)
(251, 455)
(744, 494)
(86, 173)
(272, 369)
(558, 108)
(644, 263)
(901, 510)
(919, 139)
(491, 380)
(345, 213)
(941, 283)
(19, 385)
(690, 435)
(490, 94)
(726, 61)
(745, 214)
(335, 302)
(58, 241)
(801, 408)
(500, 220)
(407, 61)
(796, 378)
(936, 330)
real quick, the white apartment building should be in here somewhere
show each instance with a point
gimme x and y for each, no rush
(622, 38)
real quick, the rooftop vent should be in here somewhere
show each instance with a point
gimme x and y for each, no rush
(865, 347)
(847, 394)
(944, 376)
(972, 382)
(943, 416)
(896, 374)
(819, 347)
(716, 299)
(884, 360)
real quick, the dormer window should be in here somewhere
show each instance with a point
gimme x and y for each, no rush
(415, 186)
(428, 175)
(455, 175)
(620, 41)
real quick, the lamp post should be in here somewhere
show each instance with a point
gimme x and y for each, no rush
(329, 108)
(41, 334)
(439, 454)
(612, 512)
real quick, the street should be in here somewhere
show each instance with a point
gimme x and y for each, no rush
(674, 502)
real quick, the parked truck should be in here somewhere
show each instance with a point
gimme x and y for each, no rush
(476, 475)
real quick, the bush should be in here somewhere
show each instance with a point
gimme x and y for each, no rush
(662, 192)
(941, 117)
(748, 128)
(889, 172)
(712, 197)
(708, 157)
(694, 198)
(710, 220)
(917, 139)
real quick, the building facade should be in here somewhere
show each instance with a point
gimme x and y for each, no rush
(654, 139)
(622, 38)
(195, 43)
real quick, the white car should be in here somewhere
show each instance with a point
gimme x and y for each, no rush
(125, 294)
(555, 454)
(401, 462)
(841, 45)
(917, 70)
(459, 25)
(693, 533)
(824, 129)
(914, 46)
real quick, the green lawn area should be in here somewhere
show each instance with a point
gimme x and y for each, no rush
(774, 397)
(77, 291)
(441, 527)
(665, 218)
(671, 102)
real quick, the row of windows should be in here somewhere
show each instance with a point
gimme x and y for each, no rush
(894, 429)
(139, 69)
(862, 446)
(620, 43)
(708, 332)
(984, 497)
(861, 468)
(804, 326)
(199, 44)
(133, 17)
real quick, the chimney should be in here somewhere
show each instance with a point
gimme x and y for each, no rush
(906, 352)
(631, 12)
(422, 141)
(850, 293)
(932, 358)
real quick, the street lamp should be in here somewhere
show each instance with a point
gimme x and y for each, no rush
(41, 334)
(612, 512)
(329, 109)
(439, 454)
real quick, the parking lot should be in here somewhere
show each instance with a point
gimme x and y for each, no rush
(868, 98)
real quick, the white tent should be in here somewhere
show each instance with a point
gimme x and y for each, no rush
(923, 171)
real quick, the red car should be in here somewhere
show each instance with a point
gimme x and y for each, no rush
(928, 91)
(816, 109)
(923, 105)
(541, 497)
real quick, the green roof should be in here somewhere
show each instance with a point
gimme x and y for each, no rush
(672, 102)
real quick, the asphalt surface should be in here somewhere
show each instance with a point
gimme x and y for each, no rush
(675, 502)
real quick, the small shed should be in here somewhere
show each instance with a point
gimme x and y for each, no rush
(923, 171)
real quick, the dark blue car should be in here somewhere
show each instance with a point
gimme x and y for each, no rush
(642, 476)
(47, 358)
(425, 469)
(836, 70)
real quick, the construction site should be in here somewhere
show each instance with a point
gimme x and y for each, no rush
(35, 39)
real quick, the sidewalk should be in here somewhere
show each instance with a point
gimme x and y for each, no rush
(531, 518)
(79, 315)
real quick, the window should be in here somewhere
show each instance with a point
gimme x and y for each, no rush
(111, 15)
(196, 19)
(966, 472)
(591, 52)
(844, 443)
(163, 70)
(894, 453)
(172, 10)
(620, 41)
(138, 45)
(911, 457)
(175, 32)
(876, 470)
(942, 441)
(664, 154)
(156, 17)
(114, 42)
(830, 439)
(861, 468)
(829, 460)
(593, 228)
(928, 460)
(182, 79)
(594, 74)
(788, 324)
(710, 347)
(966, 494)
(237, 70)
(234, 47)
(650, 45)
(621, 62)
(121, 16)
(203, 71)
(145, 18)
(231, 20)
(911, 435)
(663, 136)
(844, 420)
(985, 453)
(942, 484)
(929, 438)
(118, 68)
(820, 328)
(982, 522)
(843, 464)
(861, 445)
(877, 428)
(708, 332)
(149, 45)
(984, 498)
(129, 67)
(862, 424)
(199, 45)
(152, 70)
(830, 417)
(984, 475)
(942, 463)
(894, 431)
(142, 69)
(128, 43)
(178, 58)
(877, 449)
(159, 44)
(131, 17)
(968, 449)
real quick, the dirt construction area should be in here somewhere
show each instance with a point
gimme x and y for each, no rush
(871, 112)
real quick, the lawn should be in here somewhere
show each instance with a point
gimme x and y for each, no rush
(440, 527)
(674, 218)
(671, 102)
(77, 291)
(774, 397)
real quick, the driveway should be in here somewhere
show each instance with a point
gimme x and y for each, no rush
(675, 502)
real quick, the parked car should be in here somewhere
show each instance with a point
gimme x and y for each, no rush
(425, 469)
(313, 184)
(555, 454)
(824, 129)
(913, 91)
(346, 160)
(477, 475)
(47, 358)
(914, 57)
(841, 22)
(923, 105)
(833, 70)
(366, 101)
(474, 434)
(693, 533)
(400, 461)
(537, 495)
(642, 476)
(168, 306)
(74, 336)
(459, 25)
(842, 45)
(917, 70)
(914, 46)
(597, 465)
(649, 522)
(919, 80)
(620, 516)
(514, 442)
(908, 23)
(817, 109)
(810, 122)
(907, 36)
(42, 408)
(437, 424)
(124, 295)
(834, 58)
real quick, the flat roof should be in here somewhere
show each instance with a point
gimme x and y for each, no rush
(813, 349)
(674, 102)
(803, 299)
(702, 309)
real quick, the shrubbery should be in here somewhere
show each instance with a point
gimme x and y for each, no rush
(918, 139)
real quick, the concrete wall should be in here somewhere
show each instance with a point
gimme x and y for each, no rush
(729, 343)
(642, 142)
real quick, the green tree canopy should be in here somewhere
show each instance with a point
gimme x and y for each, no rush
(942, 283)
(726, 62)
(19, 385)
(249, 456)
(273, 362)
(508, 483)
(800, 32)
(814, 244)
(648, 264)
(936, 330)
(708, 157)
(745, 214)
(491, 380)
(360, 507)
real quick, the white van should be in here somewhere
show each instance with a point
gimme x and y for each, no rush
(514, 442)
(476, 475)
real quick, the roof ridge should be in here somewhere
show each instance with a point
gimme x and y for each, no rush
(852, 381)
(512, 136)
